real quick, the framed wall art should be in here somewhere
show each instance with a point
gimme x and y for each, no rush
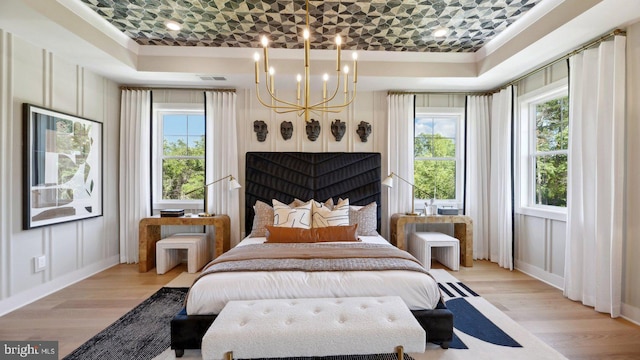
(62, 167)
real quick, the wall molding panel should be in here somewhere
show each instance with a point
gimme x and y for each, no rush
(73, 250)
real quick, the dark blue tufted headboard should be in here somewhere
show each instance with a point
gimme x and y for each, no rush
(302, 175)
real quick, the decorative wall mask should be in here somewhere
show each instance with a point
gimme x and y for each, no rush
(313, 130)
(364, 130)
(338, 129)
(286, 129)
(260, 127)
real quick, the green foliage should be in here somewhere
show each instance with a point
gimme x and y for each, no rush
(552, 124)
(434, 175)
(182, 175)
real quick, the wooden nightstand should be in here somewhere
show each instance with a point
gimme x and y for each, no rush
(149, 234)
(462, 229)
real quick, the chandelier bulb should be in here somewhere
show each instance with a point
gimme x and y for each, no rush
(256, 57)
(305, 34)
(299, 77)
(272, 71)
(354, 56)
(265, 41)
(346, 69)
(338, 40)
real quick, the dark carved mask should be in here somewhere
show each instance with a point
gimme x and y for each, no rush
(260, 127)
(338, 129)
(286, 129)
(313, 130)
(364, 130)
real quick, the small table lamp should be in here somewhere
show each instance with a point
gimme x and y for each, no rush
(233, 185)
(389, 183)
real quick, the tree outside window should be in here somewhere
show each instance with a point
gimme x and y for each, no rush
(435, 156)
(183, 162)
(550, 155)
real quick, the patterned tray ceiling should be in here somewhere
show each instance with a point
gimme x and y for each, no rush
(393, 25)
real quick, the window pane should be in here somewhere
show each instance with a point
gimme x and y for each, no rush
(195, 124)
(551, 180)
(174, 124)
(432, 176)
(180, 176)
(552, 124)
(175, 146)
(196, 145)
(435, 136)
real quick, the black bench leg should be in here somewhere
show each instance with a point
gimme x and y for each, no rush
(179, 352)
(444, 345)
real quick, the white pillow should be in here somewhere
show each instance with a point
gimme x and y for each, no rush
(324, 216)
(287, 216)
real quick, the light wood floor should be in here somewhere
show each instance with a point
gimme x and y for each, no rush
(76, 313)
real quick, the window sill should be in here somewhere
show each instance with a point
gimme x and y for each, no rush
(559, 215)
(187, 206)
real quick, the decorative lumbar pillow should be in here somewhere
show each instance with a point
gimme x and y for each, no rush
(366, 219)
(263, 217)
(277, 234)
(287, 216)
(336, 233)
(324, 216)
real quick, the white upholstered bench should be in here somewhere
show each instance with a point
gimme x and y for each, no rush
(168, 254)
(444, 248)
(279, 328)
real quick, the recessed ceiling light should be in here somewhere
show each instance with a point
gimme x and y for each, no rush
(172, 25)
(440, 32)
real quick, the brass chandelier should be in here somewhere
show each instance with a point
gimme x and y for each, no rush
(282, 106)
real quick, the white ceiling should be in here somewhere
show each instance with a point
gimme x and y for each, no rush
(551, 29)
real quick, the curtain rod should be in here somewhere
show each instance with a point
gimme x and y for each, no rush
(124, 87)
(616, 32)
(394, 92)
(602, 38)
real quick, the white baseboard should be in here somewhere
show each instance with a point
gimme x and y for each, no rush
(26, 297)
(552, 279)
(631, 313)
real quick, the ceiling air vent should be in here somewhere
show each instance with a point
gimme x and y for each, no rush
(211, 77)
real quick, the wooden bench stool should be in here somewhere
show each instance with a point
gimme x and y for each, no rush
(168, 254)
(444, 248)
(278, 328)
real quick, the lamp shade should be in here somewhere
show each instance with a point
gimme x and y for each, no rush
(234, 184)
(388, 181)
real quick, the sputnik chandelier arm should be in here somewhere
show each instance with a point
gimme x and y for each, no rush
(281, 106)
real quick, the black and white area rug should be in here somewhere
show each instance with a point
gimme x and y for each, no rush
(481, 330)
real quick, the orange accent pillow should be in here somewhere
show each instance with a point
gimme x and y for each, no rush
(279, 234)
(336, 233)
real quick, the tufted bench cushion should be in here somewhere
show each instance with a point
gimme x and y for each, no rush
(313, 327)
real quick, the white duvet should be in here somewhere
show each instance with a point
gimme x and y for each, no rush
(210, 294)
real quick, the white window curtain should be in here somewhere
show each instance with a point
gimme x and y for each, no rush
(222, 156)
(400, 152)
(593, 255)
(500, 185)
(478, 163)
(135, 177)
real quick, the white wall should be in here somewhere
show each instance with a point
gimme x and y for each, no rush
(73, 250)
(369, 106)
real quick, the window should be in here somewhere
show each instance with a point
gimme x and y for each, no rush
(438, 155)
(179, 156)
(544, 149)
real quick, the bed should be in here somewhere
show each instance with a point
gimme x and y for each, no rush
(326, 178)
